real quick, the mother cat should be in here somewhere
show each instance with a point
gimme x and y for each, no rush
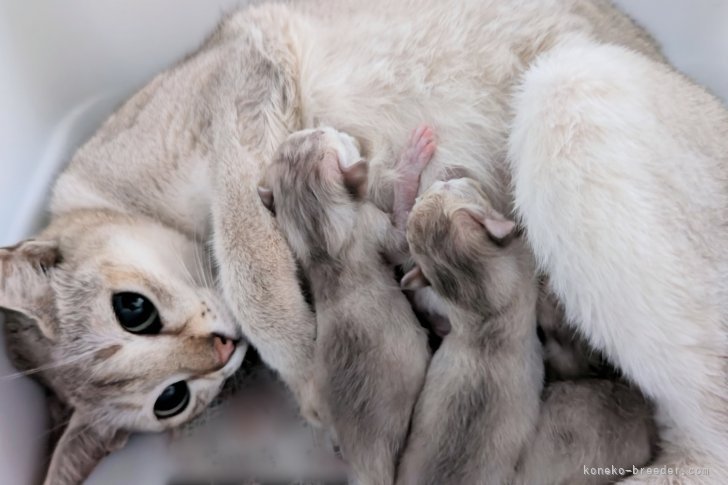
(615, 163)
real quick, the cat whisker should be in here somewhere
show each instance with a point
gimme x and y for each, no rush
(53, 429)
(209, 272)
(183, 264)
(202, 262)
(55, 365)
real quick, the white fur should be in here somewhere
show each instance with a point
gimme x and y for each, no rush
(621, 177)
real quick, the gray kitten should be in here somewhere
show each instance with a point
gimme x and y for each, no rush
(371, 353)
(481, 417)
(590, 416)
(585, 424)
(480, 401)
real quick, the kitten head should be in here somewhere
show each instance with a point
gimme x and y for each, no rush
(314, 186)
(118, 320)
(459, 242)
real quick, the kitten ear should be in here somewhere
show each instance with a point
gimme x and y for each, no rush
(355, 177)
(25, 282)
(414, 279)
(495, 223)
(80, 448)
(499, 227)
(266, 196)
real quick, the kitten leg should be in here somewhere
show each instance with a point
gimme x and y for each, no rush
(413, 160)
(405, 186)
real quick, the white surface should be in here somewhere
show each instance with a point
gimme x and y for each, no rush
(693, 35)
(64, 65)
(57, 57)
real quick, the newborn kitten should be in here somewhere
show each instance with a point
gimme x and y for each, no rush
(480, 418)
(590, 416)
(371, 353)
(480, 401)
(584, 424)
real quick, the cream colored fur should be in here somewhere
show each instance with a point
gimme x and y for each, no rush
(615, 163)
(102, 381)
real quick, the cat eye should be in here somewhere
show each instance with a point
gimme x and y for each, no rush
(136, 314)
(173, 400)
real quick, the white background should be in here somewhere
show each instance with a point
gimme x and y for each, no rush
(65, 65)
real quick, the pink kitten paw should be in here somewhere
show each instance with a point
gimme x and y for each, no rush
(415, 157)
(419, 151)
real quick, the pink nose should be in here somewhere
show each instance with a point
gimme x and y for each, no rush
(224, 347)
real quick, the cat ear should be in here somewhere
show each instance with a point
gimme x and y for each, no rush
(25, 282)
(496, 225)
(80, 448)
(266, 196)
(499, 227)
(355, 177)
(414, 279)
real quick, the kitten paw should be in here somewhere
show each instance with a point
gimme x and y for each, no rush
(415, 157)
(417, 154)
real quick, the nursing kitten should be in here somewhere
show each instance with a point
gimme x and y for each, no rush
(371, 354)
(120, 342)
(584, 424)
(480, 401)
(481, 417)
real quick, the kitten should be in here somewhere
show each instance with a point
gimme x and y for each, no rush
(481, 417)
(588, 423)
(480, 402)
(371, 353)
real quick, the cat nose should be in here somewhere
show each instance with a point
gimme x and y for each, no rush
(224, 347)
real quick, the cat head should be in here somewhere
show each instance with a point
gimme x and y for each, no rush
(117, 317)
(314, 186)
(461, 244)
